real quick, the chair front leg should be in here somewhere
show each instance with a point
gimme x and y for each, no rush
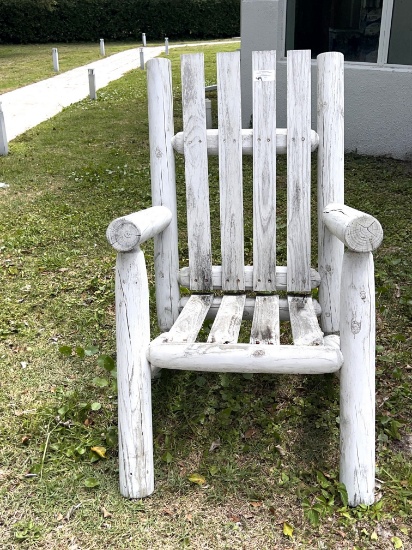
(136, 471)
(357, 379)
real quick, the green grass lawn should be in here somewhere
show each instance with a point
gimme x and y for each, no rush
(267, 447)
(28, 63)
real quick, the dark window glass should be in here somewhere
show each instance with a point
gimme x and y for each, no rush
(348, 26)
(400, 43)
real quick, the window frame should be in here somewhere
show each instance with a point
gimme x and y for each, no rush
(384, 35)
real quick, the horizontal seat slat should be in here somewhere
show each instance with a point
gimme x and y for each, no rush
(190, 320)
(281, 277)
(212, 140)
(265, 326)
(304, 322)
(225, 329)
(251, 358)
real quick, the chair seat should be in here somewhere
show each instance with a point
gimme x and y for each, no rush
(311, 352)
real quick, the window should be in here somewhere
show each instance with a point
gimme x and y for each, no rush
(371, 31)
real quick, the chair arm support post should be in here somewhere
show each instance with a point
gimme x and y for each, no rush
(357, 378)
(360, 232)
(131, 231)
(136, 472)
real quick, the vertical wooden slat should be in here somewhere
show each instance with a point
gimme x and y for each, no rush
(264, 171)
(330, 182)
(299, 170)
(162, 173)
(230, 170)
(196, 172)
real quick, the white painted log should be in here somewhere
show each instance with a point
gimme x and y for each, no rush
(55, 58)
(127, 232)
(226, 327)
(249, 308)
(357, 378)
(330, 182)
(196, 172)
(144, 39)
(4, 145)
(190, 320)
(166, 46)
(141, 53)
(360, 232)
(230, 170)
(162, 173)
(102, 48)
(304, 322)
(264, 171)
(208, 106)
(136, 471)
(92, 84)
(252, 358)
(265, 326)
(299, 170)
(281, 275)
(212, 138)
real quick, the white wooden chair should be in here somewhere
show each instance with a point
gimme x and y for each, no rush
(343, 338)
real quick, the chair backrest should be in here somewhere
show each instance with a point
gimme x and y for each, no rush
(230, 142)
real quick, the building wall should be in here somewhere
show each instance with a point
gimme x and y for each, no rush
(378, 99)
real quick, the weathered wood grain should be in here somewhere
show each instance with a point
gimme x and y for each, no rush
(249, 308)
(230, 170)
(136, 473)
(253, 358)
(330, 127)
(304, 322)
(281, 276)
(163, 181)
(226, 327)
(360, 232)
(357, 378)
(196, 171)
(127, 232)
(264, 171)
(265, 326)
(212, 137)
(299, 170)
(190, 320)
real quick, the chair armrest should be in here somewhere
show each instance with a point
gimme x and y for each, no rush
(127, 232)
(360, 232)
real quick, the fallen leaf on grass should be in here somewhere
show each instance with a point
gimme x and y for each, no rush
(249, 433)
(255, 504)
(197, 478)
(100, 451)
(215, 445)
(105, 513)
(397, 543)
(288, 530)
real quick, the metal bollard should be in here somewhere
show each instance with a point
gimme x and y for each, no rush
(4, 147)
(55, 56)
(102, 49)
(144, 39)
(92, 84)
(166, 46)
(208, 104)
(141, 59)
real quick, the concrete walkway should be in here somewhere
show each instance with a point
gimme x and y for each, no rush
(27, 107)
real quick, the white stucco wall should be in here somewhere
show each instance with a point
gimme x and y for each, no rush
(378, 99)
